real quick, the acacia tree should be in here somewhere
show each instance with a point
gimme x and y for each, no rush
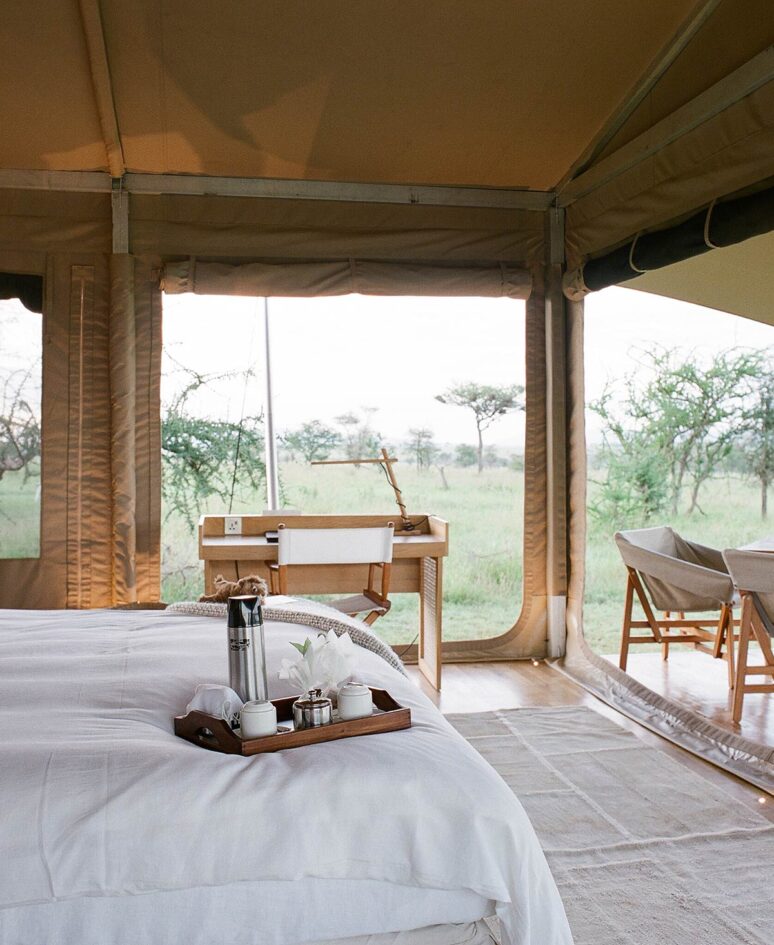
(674, 431)
(313, 440)
(358, 439)
(204, 457)
(421, 447)
(757, 441)
(636, 484)
(487, 403)
(693, 411)
(465, 455)
(442, 459)
(19, 424)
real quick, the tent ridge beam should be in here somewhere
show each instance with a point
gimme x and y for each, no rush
(736, 86)
(103, 86)
(190, 185)
(94, 182)
(647, 82)
(429, 195)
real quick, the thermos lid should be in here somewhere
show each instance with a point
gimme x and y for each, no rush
(244, 611)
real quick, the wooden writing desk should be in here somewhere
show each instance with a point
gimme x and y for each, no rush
(417, 565)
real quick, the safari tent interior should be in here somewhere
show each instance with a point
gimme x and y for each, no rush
(531, 151)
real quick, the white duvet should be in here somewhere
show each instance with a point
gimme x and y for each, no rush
(100, 799)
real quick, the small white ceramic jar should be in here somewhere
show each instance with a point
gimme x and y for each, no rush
(355, 701)
(258, 719)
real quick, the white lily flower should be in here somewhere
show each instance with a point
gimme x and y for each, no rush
(325, 662)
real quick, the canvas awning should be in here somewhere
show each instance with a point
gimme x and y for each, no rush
(737, 279)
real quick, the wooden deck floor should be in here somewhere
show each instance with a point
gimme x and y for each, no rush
(479, 687)
(700, 683)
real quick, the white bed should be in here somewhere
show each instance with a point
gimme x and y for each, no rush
(115, 831)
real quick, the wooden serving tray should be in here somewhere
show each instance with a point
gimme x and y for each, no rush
(217, 735)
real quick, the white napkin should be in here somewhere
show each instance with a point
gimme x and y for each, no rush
(220, 701)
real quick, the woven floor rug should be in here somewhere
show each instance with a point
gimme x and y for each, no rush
(644, 851)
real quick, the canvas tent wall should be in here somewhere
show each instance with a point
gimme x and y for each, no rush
(385, 146)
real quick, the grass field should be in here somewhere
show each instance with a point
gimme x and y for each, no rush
(731, 518)
(482, 575)
(19, 516)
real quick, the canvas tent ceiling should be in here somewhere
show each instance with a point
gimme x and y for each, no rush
(334, 91)
(491, 93)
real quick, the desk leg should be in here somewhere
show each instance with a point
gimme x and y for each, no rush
(430, 620)
(209, 577)
(229, 570)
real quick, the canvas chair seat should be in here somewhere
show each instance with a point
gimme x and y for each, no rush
(680, 575)
(359, 604)
(753, 573)
(668, 573)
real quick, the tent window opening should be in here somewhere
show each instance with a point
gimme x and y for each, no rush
(680, 432)
(437, 382)
(21, 343)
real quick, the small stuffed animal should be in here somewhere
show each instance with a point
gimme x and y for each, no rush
(252, 584)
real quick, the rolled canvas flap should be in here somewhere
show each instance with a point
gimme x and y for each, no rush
(723, 155)
(300, 278)
(504, 280)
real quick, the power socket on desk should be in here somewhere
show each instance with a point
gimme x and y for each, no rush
(232, 524)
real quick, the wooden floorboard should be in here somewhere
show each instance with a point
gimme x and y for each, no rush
(700, 683)
(481, 687)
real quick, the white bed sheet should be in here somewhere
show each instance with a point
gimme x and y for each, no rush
(259, 913)
(101, 802)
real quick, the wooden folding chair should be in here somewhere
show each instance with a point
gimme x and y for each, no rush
(339, 547)
(753, 573)
(672, 575)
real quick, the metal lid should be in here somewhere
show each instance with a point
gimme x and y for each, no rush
(312, 700)
(244, 611)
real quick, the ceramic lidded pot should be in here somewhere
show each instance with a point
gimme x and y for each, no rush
(355, 701)
(258, 719)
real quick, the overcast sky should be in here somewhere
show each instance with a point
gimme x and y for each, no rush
(341, 354)
(335, 355)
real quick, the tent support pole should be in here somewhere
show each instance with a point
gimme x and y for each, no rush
(119, 205)
(556, 437)
(272, 473)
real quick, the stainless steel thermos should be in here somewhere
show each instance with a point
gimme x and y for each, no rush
(246, 649)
